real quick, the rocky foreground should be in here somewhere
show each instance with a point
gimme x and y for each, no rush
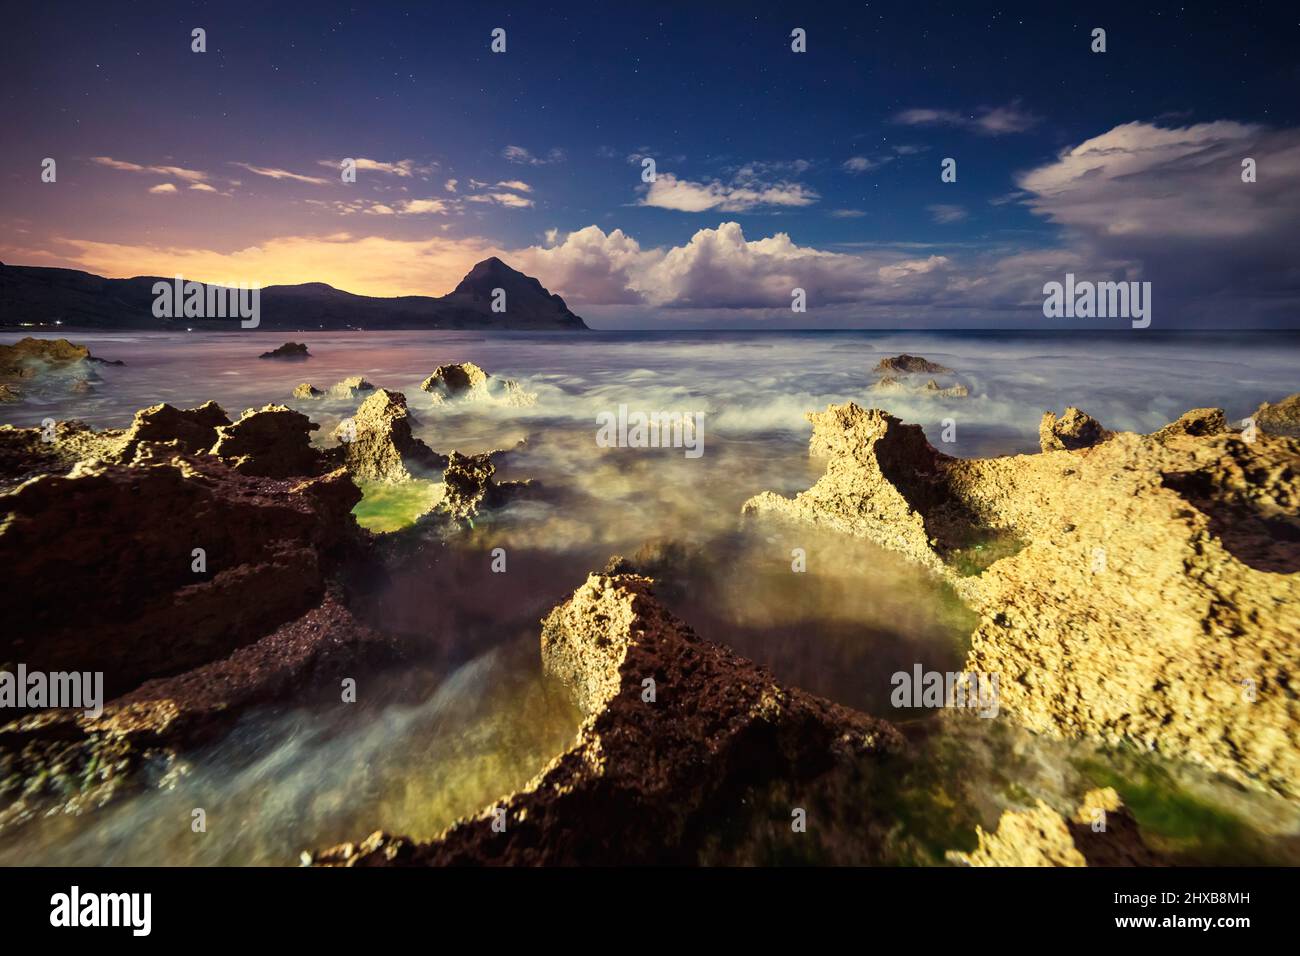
(1150, 588)
(199, 563)
(676, 730)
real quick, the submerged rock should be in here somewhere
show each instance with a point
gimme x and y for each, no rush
(910, 364)
(289, 350)
(892, 385)
(66, 761)
(376, 444)
(1156, 599)
(675, 727)
(1282, 418)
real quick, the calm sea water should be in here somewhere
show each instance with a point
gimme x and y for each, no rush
(471, 717)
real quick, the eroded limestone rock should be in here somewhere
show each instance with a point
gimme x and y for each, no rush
(1072, 431)
(642, 779)
(1156, 599)
(1281, 418)
(376, 444)
(272, 441)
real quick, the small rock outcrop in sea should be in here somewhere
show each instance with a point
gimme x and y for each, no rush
(910, 365)
(1156, 598)
(675, 727)
(1070, 432)
(292, 351)
(46, 366)
(376, 444)
(354, 386)
(1281, 418)
(306, 390)
(272, 442)
(1197, 423)
(1101, 832)
(466, 382)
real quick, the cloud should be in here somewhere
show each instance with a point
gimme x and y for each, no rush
(203, 188)
(715, 269)
(1172, 200)
(272, 173)
(515, 184)
(986, 120)
(450, 185)
(405, 168)
(517, 154)
(404, 207)
(944, 214)
(178, 172)
(847, 213)
(163, 189)
(501, 199)
(862, 164)
(669, 192)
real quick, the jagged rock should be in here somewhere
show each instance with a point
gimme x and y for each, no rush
(1281, 418)
(272, 442)
(351, 387)
(377, 444)
(180, 431)
(1197, 423)
(46, 365)
(643, 779)
(307, 390)
(466, 382)
(100, 564)
(454, 381)
(65, 761)
(289, 350)
(1042, 837)
(1072, 431)
(910, 364)
(1155, 578)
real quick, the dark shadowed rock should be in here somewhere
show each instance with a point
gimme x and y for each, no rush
(643, 780)
(292, 351)
(101, 571)
(272, 442)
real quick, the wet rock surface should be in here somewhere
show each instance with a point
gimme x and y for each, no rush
(1155, 600)
(466, 382)
(646, 772)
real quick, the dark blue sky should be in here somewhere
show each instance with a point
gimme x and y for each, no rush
(838, 148)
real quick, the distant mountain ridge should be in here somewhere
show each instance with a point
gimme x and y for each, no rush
(36, 294)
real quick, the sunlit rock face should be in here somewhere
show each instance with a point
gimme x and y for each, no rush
(1156, 599)
(675, 726)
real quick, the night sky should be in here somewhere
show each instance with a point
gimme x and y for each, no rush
(774, 169)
